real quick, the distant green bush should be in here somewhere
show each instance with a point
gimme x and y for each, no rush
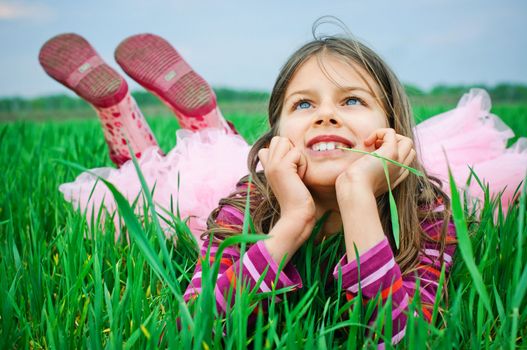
(502, 93)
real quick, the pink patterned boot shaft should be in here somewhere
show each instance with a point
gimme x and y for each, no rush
(124, 123)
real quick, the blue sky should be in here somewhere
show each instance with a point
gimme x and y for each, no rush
(242, 44)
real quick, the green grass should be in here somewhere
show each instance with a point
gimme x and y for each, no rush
(59, 289)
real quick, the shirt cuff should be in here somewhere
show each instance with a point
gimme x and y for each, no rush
(258, 258)
(375, 260)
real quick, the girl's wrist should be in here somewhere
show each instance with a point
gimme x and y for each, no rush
(361, 220)
(299, 218)
(354, 193)
(298, 226)
(286, 237)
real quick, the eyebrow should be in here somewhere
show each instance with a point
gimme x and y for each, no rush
(353, 88)
(343, 88)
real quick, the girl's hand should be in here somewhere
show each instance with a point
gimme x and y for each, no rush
(367, 172)
(284, 167)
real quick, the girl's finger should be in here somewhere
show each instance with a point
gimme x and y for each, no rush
(302, 166)
(409, 158)
(295, 156)
(282, 147)
(403, 172)
(263, 155)
(276, 149)
(386, 134)
(380, 137)
(402, 139)
(400, 179)
(272, 146)
(404, 145)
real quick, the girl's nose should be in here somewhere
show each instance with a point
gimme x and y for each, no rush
(327, 120)
(327, 116)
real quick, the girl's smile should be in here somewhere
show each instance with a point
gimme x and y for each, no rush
(325, 146)
(329, 104)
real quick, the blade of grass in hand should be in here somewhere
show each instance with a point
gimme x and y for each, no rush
(373, 154)
(393, 207)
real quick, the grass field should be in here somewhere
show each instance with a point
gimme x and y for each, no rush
(60, 290)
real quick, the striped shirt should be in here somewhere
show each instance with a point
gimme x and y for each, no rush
(378, 272)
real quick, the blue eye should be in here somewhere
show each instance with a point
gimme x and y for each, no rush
(352, 101)
(303, 105)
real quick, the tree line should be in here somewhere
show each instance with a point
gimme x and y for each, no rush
(502, 93)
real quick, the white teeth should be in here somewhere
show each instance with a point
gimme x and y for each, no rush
(326, 146)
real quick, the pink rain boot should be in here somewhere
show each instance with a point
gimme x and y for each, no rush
(72, 61)
(158, 67)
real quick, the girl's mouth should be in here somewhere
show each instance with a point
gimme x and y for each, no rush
(326, 146)
(326, 149)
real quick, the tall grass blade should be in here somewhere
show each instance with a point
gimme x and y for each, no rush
(464, 244)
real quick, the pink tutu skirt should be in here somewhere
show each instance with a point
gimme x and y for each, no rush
(469, 136)
(210, 162)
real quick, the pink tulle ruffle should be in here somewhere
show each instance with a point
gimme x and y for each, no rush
(209, 164)
(470, 136)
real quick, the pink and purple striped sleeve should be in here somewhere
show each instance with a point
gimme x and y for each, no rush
(254, 263)
(380, 274)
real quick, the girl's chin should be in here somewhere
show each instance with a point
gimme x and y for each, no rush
(317, 180)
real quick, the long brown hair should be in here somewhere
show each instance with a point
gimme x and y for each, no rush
(415, 197)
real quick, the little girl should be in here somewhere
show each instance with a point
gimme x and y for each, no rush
(333, 93)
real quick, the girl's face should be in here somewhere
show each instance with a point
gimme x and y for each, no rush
(326, 109)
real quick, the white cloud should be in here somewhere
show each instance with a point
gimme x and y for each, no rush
(22, 10)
